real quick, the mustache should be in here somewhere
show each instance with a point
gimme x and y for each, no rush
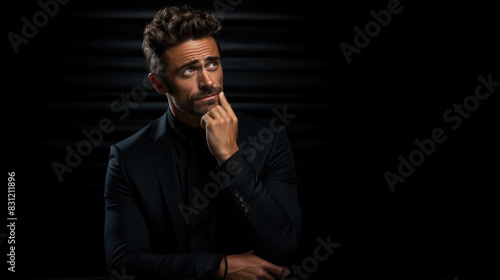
(211, 91)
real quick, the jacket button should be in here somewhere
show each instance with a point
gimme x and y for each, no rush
(243, 204)
(236, 193)
(246, 209)
(240, 199)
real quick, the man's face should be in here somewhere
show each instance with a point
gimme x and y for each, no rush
(194, 76)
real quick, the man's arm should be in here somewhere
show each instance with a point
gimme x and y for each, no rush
(126, 236)
(267, 203)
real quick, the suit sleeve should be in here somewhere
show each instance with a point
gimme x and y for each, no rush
(267, 202)
(126, 237)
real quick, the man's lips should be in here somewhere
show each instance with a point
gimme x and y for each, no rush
(209, 97)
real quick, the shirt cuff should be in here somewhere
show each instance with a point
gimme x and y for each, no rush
(215, 266)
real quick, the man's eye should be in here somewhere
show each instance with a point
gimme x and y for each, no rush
(213, 64)
(188, 71)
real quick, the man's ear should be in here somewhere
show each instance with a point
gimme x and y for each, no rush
(158, 83)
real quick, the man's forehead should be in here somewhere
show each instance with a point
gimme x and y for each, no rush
(191, 50)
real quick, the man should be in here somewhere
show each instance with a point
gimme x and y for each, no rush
(183, 201)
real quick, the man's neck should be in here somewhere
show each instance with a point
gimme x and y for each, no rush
(185, 118)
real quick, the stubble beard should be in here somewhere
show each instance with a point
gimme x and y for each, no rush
(198, 111)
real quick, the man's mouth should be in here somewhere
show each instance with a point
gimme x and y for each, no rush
(211, 94)
(209, 97)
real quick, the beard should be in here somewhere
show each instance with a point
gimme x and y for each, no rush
(189, 106)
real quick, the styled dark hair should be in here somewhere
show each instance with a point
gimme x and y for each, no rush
(173, 25)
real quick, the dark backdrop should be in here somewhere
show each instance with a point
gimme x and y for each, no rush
(351, 122)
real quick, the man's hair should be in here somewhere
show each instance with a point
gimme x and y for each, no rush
(173, 25)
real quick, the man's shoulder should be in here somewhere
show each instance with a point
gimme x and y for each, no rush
(141, 138)
(252, 125)
(250, 122)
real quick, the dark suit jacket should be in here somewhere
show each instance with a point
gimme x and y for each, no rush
(145, 227)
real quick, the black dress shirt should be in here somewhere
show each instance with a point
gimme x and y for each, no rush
(194, 163)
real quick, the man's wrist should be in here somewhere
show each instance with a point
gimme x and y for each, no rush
(219, 273)
(233, 166)
(226, 155)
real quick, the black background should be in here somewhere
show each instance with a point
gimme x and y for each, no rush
(352, 122)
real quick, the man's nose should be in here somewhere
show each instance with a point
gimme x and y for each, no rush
(205, 79)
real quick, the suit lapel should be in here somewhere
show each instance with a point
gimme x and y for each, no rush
(166, 171)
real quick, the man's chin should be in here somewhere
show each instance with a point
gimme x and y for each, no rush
(209, 105)
(205, 108)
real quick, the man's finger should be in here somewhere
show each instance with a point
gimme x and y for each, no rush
(203, 121)
(276, 269)
(217, 112)
(223, 102)
(286, 271)
(267, 276)
(273, 268)
(222, 99)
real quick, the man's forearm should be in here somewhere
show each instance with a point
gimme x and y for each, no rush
(144, 265)
(269, 205)
(273, 218)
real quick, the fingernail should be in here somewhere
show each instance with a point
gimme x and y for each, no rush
(287, 272)
(222, 93)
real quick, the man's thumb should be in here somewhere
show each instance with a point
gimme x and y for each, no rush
(203, 123)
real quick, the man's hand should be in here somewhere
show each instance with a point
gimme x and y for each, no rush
(249, 266)
(221, 125)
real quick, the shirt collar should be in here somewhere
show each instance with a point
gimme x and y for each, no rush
(181, 131)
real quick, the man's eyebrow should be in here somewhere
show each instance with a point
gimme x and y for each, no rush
(196, 61)
(193, 62)
(212, 58)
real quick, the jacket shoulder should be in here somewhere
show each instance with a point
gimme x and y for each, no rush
(249, 122)
(252, 125)
(141, 138)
